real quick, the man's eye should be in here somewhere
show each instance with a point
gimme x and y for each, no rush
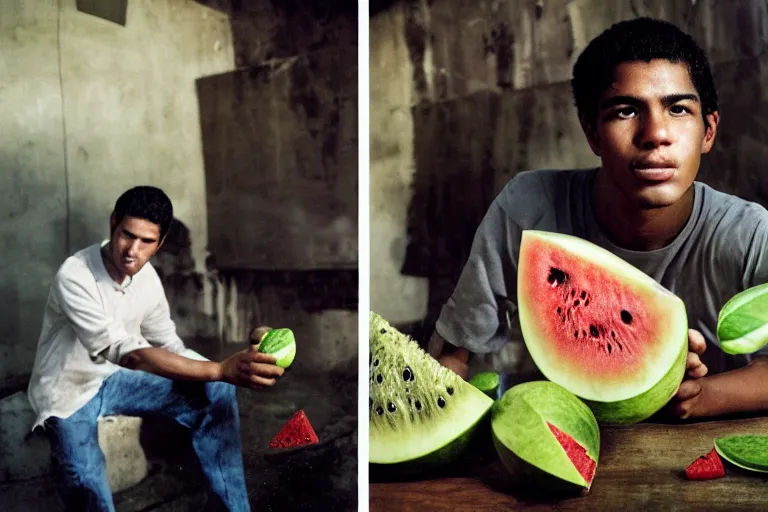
(625, 113)
(679, 110)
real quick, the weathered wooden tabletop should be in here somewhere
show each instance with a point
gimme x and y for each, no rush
(641, 467)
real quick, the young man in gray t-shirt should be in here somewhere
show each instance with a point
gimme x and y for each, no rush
(648, 106)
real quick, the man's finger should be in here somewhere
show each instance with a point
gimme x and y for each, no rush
(696, 342)
(687, 390)
(257, 381)
(259, 357)
(268, 370)
(698, 372)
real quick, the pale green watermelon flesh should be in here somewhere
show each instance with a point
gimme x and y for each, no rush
(420, 413)
(745, 451)
(742, 324)
(595, 324)
(542, 430)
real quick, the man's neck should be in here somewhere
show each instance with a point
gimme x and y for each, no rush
(635, 228)
(106, 257)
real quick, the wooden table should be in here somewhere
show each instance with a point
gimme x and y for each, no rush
(641, 467)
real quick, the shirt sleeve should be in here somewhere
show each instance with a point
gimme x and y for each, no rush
(158, 327)
(103, 338)
(476, 315)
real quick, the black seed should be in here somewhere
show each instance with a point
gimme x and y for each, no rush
(383, 331)
(576, 302)
(573, 293)
(613, 334)
(418, 405)
(593, 331)
(556, 276)
(584, 333)
(379, 410)
(626, 316)
(407, 390)
(376, 363)
(391, 407)
(407, 374)
(586, 302)
(610, 348)
(559, 310)
(379, 378)
(449, 390)
(575, 334)
(583, 294)
(440, 402)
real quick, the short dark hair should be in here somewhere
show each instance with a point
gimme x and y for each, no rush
(639, 39)
(148, 203)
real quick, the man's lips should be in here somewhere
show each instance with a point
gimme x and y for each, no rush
(654, 169)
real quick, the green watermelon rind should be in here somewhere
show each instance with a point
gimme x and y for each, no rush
(526, 445)
(731, 448)
(612, 404)
(643, 406)
(487, 382)
(280, 343)
(742, 324)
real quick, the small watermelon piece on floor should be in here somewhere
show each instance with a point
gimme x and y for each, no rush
(296, 432)
(706, 467)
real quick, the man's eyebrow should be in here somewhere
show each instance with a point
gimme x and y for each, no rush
(668, 100)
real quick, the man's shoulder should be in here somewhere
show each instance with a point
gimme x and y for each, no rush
(727, 210)
(78, 265)
(538, 190)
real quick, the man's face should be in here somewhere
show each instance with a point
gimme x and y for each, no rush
(134, 241)
(650, 133)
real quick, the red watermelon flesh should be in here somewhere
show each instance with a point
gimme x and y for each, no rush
(706, 467)
(583, 463)
(297, 431)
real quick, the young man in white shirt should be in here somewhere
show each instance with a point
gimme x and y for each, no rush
(108, 346)
(648, 107)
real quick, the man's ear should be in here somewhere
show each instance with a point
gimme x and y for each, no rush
(711, 132)
(589, 131)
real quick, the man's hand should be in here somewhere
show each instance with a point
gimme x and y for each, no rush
(687, 401)
(694, 368)
(251, 369)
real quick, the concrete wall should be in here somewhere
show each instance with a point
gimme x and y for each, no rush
(89, 108)
(464, 95)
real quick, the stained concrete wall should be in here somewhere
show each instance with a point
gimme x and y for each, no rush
(464, 95)
(89, 108)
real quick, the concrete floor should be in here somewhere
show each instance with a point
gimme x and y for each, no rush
(321, 477)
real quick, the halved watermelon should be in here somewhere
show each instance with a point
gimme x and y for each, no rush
(600, 327)
(297, 431)
(422, 416)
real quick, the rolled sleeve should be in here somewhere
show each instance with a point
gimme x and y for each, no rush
(103, 338)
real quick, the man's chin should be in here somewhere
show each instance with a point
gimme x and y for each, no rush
(659, 196)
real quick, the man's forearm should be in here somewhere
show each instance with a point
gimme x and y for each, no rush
(167, 364)
(741, 390)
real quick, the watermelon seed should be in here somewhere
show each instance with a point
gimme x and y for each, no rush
(391, 407)
(407, 374)
(573, 293)
(575, 334)
(559, 310)
(376, 363)
(586, 302)
(583, 294)
(626, 316)
(379, 378)
(584, 333)
(576, 302)
(440, 402)
(610, 348)
(613, 334)
(593, 331)
(449, 390)
(418, 405)
(379, 410)
(383, 331)
(556, 277)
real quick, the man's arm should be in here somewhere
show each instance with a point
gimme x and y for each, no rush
(453, 358)
(741, 390)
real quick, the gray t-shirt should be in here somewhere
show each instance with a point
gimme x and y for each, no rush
(719, 253)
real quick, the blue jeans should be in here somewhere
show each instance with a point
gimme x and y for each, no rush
(209, 410)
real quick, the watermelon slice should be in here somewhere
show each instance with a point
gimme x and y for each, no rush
(546, 437)
(706, 467)
(600, 327)
(297, 431)
(746, 452)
